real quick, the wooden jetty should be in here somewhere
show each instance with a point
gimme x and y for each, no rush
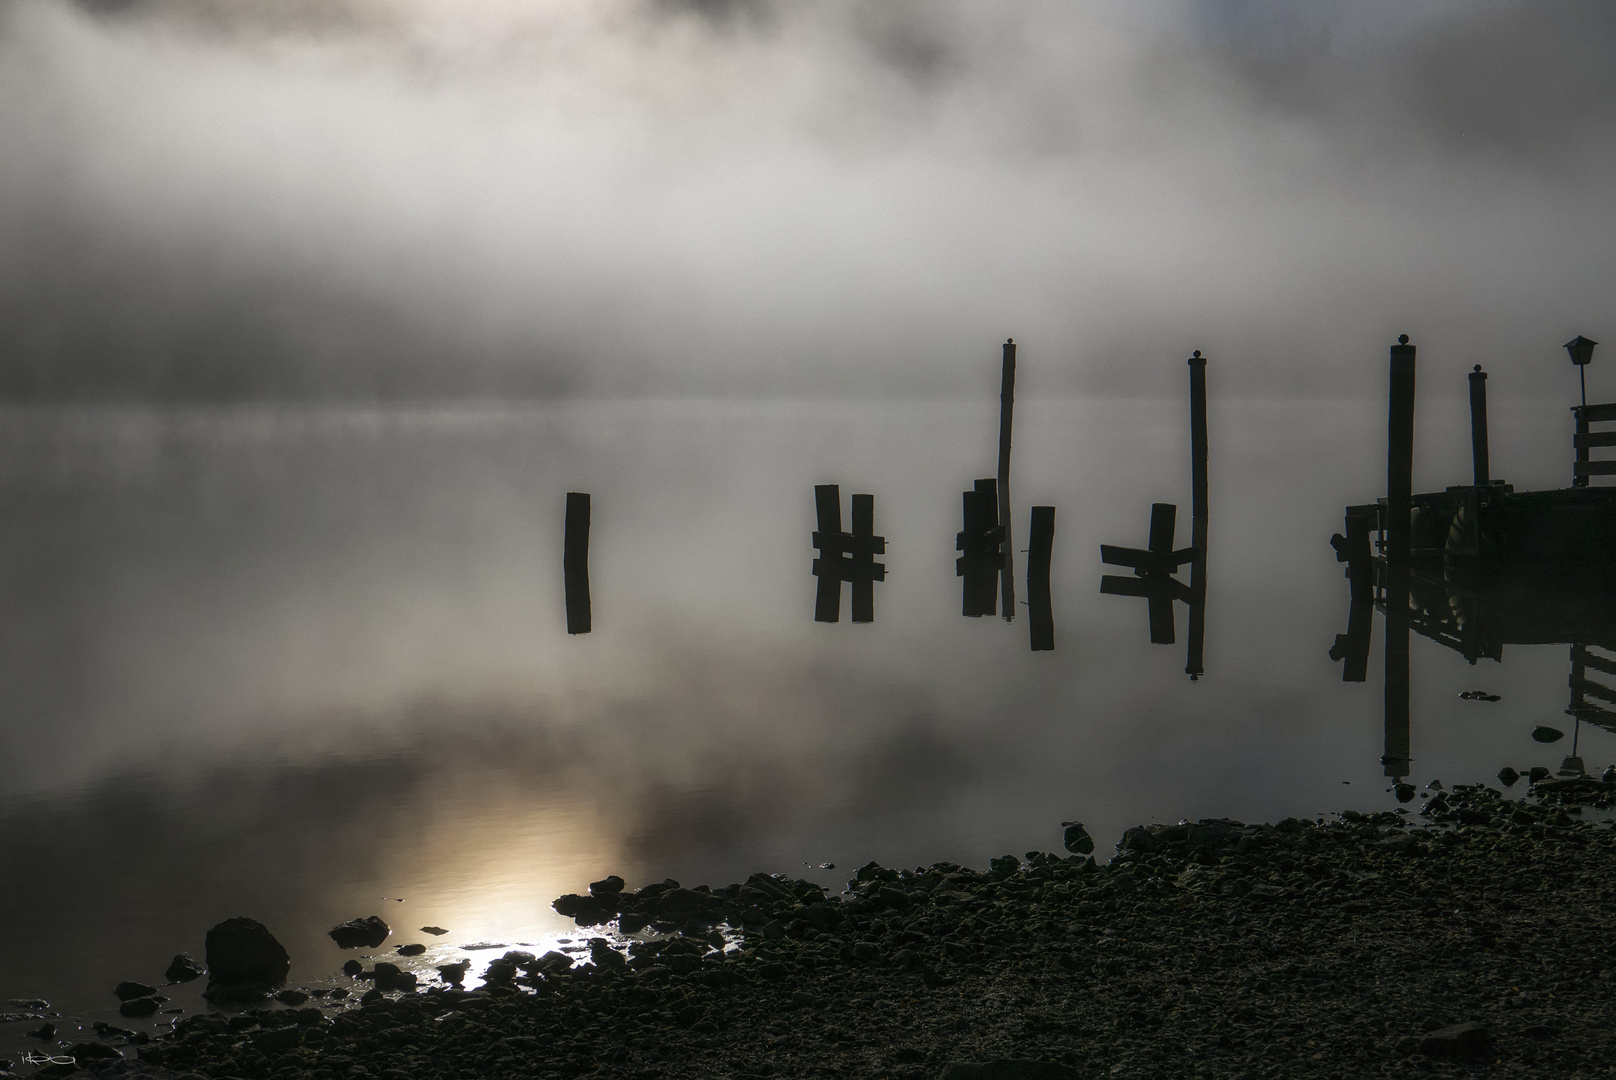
(1486, 528)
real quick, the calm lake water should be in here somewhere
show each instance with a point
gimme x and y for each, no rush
(311, 664)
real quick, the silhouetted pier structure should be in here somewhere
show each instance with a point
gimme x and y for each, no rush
(846, 556)
(575, 562)
(1156, 563)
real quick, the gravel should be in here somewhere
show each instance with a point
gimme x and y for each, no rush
(1472, 939)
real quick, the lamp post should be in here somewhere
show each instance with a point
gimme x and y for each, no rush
(1582, 351)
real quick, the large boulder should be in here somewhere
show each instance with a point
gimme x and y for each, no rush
(242, 953)
(365, 933)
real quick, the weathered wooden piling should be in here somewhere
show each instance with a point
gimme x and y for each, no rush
(981, 544)
(1478, 427)
(828, 513)
(1007, 408)
(1040, 607)
(1163, 520)
(575, 562)
(1400, 452)
(1353, 646)
(1194, 661)
(866, 544)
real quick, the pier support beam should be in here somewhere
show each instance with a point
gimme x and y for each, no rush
(1478, 426)
(1007, 408)
(1400, 452)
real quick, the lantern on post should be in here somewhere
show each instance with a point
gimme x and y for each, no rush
(1582, 351)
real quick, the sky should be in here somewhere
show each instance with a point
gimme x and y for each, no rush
(223, 200)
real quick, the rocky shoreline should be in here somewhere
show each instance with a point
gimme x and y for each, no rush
(1467, 938)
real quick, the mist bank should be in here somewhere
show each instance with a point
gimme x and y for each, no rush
(412, 200)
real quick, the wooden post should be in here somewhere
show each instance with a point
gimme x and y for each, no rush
(863, 569)
(575, 562)
(1194, 661)
(1007, 408)
(1478, 426)
(1163, 518)
(1400, 452)
(828, 508)
(1040, 608)
(1353, 646)
(1579, 471)
(980, 543)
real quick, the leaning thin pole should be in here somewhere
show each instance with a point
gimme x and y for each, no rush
(1007, 408)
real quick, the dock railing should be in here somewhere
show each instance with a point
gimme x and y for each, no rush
(1585, 440)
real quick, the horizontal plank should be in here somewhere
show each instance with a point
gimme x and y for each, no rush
(1594, 438)
(1150, 562)
(849, 570)
(1594, 468)
(1595, 413)
(1580, 655)
(1149, 588)
(852, 543)
(1593, 689)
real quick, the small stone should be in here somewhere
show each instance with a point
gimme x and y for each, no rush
(1508, 776)
(435, 931)
(411, 950)
(804, 999)
(242, 952)
(44, 1032)
(455, 974)
(368, 933)
(291, 997)
(774, 931)
(1538, 774)
(138, 1007)
(1459, 1039)
(128, 991)
(1404, 792)
(610, 885)
(1609, 775)
(1545, 734)
(353, 969)
(183, 968)
(1077, 838)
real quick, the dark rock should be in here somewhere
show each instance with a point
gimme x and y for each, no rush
(435, 931)
(630, 923)
(393, 977)
(602, 955)
(1077, 838)
(1460, 1039)
(44, 1032)
(1538, 773)
(1404, 792)
(1138, 839)
(89, 1051)
(128, 991)
(1017, 1069)
(353, 969)
(411, 950)
(291, 997)
(183, 968)
(280, 1039)
(803, 999)
(1402, 842)
(455, 974)
(1508, 776)
(366, 933)
(610, 885)
(773, 930)
(1544, 734)
(144, 1006)
(500, 973)
(552, 962)
(241, 952)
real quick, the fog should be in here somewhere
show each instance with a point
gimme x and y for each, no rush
(203, 200)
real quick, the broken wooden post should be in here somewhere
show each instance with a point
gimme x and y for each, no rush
(1040, 608)
(1353, 646)
(575, 562)
(1007, 407)
(1478, 427)
(1400, 452)
(846, 556)
(981, 543)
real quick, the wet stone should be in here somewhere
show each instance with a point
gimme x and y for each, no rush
(365, 933)
(127, 991)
